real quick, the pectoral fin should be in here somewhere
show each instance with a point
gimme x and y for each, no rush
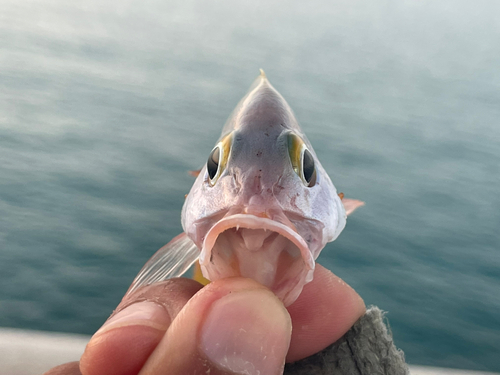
(194, 173)
(172, 260)
(351, 204)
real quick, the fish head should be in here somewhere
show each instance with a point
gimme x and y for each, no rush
(263, 207)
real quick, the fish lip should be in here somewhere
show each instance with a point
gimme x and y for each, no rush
(250, 221)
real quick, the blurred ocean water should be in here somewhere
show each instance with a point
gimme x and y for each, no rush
(104, 107)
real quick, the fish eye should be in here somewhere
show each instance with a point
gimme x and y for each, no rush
(302, 160)
(308, 169)
(213, 162)
(217, 160)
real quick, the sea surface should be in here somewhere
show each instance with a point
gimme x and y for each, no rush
(105, 106)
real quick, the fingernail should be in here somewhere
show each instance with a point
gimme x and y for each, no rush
(247, 332)
(141, 313)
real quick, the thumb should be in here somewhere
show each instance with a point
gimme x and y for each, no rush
(232, 326)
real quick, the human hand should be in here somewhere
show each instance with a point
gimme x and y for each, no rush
(227, 327)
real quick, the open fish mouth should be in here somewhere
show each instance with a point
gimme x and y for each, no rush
(265, 250)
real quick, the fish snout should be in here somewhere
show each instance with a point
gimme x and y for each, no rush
(257, 205)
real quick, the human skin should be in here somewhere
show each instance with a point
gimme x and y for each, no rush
(227, 327)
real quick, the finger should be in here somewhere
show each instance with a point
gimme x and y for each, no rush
(231, 326)
(325, 310)
(123, 344)
(70, 368)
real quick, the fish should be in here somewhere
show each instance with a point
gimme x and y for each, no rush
(262, 206)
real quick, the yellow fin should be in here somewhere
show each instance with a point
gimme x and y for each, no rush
(198, 276)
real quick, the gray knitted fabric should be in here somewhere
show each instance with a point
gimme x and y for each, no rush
(366, 349)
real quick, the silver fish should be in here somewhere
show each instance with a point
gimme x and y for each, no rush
(262, 207)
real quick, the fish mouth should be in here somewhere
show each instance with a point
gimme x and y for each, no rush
(268, 251)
